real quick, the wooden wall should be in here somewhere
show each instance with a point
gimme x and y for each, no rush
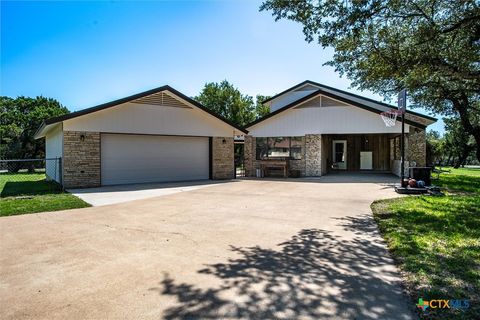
(379, 144)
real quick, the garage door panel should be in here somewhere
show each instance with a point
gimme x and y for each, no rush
(143, 158)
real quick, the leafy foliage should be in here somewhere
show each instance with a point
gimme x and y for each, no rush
(429, 47)
(435, 147)
(227, 101)
(455, 148)
(260, 109)
(459, 144)
(19, 120)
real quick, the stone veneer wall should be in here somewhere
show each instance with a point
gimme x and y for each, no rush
(416, 147)
(313, 155)
(396, 166)
(415, 151)
(81, 159)
(223, 166)
(249, 155)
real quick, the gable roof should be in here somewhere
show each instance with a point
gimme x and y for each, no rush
(354, 99)
(349, 98)
(114, 103)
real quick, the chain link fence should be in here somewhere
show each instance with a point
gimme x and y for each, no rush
(23, 177)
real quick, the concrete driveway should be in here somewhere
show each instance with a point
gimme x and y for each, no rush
(124, 193)
(250, 249)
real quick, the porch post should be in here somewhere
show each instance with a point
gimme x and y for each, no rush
(402, 157)
(313, 155)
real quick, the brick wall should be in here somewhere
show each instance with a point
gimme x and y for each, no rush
(223, 166)
(81, 159)
(313, 155)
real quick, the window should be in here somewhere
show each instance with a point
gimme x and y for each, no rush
(339, 152)
(261, 148)
(279, 147)
(296, 148)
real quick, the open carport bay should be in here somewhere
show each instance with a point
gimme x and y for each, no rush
(245, 249)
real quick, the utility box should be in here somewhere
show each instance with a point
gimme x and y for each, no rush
(366, 160)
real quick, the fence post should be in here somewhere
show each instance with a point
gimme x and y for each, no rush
(60, 178)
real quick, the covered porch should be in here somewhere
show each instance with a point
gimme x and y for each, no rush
(358, 152)
(315, 155)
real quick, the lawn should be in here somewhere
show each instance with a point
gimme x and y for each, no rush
(29, 193)
(436, 242)
(461, 179)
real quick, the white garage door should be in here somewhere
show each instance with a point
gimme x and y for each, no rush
(142, 158)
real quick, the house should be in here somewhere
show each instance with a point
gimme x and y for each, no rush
(317, 129)
(154, 136)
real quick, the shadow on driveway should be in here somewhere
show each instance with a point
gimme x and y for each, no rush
(312, 275)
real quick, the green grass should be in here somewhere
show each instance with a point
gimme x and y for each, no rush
(436, 242)
(20, 184)
(461, 179)
(30, 193)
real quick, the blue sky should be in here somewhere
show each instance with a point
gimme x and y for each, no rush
(91, 52)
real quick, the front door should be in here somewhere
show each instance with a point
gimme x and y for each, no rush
(340, 154)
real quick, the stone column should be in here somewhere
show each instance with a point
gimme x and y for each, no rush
(416, 147)
(313, 155)
(223, 166)
(249, 155)
(81, 159)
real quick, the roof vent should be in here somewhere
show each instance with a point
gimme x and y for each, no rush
(328, 102)
(162, 99)
(313, 103)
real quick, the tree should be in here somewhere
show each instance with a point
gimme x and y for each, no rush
(458, 143)
(19, 120)
(260, 109)
(226, 100)
(435, 147)
(429, 47)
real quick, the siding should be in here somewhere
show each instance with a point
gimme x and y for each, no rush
(151, 119)
(323, 120)
(54, 149)
(288, 98)
(378, 144)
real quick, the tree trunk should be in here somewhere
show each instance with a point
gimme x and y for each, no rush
(462, 158)
(462, 106)
(477, 142)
